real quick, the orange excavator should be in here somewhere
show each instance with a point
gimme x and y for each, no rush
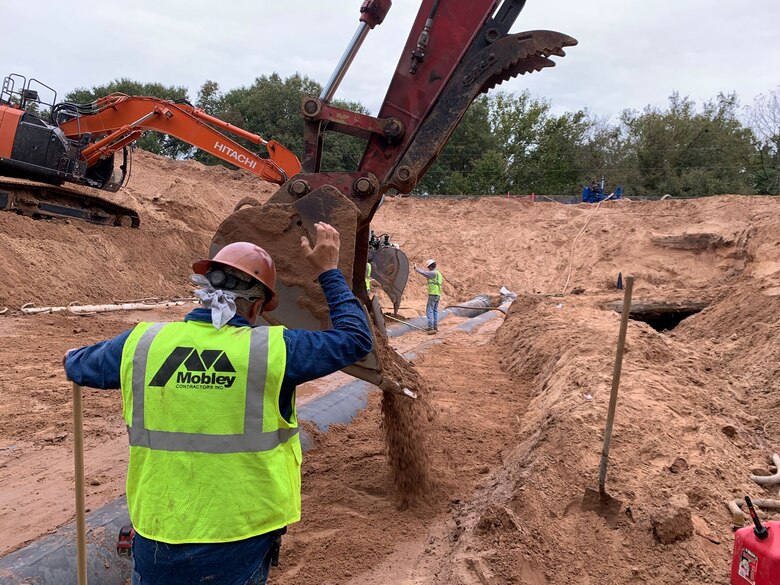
(79, 144)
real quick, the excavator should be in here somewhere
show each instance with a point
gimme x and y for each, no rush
(79, 144)
(456, 50)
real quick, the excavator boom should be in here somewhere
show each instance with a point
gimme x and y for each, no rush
(78, 144)
(457, 49)
(118, 119)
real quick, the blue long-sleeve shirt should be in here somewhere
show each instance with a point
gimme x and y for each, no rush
(310, 354)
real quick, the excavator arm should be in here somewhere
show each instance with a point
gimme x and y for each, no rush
(77, 144)
(116, 120)
(456, 50)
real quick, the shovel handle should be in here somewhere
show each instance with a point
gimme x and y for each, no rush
(615, 382)
(78, 458)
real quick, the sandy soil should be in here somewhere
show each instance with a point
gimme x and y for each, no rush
(519, 406)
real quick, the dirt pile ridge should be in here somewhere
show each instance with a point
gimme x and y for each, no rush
(517, 414)
(180, 203)
(482, 244)
(680, 431)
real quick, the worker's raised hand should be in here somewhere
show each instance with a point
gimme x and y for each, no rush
(325, 254)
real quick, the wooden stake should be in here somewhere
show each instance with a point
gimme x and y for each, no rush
(615, 381)
(78, 457)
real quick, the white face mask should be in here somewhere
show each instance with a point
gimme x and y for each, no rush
(221, 302)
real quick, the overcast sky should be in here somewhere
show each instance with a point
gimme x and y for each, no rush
(631, 53)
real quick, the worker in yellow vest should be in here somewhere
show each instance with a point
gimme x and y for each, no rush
(434, 280)
(215, 453)
(368, 277)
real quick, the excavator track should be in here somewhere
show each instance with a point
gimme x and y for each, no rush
(45, 201)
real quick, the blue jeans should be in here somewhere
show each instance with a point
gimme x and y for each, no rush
(259, 577)
(432, 311)
(245, 562)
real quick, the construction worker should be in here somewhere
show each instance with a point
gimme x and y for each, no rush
(214, 472)
(434, 278)
(368, 277)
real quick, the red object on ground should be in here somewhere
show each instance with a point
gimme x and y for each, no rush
(124, 542)
(756, 561)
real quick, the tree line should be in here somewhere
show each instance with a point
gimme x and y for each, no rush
(516, 143)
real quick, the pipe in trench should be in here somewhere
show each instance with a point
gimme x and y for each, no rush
(480, 303)
(52, 559)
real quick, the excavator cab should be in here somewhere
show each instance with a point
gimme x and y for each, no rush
(79, 143)
(37, 157)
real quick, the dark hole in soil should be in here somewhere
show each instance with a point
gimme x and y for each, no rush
(660, 315)
(663, 318)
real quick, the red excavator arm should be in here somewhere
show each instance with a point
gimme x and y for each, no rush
(117, 120)
(457, 49)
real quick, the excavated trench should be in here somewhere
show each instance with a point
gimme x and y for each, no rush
(52, 560)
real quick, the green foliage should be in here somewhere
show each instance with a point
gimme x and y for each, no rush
(513, 143)
(766, 168)
(689, 153)
(270, 107)
(764, 120)
(517, 143)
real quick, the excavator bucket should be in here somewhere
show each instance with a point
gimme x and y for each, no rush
(277, 228)
(390, 268)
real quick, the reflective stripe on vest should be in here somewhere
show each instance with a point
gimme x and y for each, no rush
(212, 459)
(253, 441)
(368, 276)
(434, 284)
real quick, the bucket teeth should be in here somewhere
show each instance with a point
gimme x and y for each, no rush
(533, 54)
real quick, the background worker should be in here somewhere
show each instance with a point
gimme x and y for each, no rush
(434, 278)
(214, 471)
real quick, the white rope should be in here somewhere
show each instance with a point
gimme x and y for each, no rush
(31, 309)
(574, 242)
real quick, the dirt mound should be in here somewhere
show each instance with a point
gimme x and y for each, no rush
(697, 413)
(519, 415)
(180, 205)
(482, 244)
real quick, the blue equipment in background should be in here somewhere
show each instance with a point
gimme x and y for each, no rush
(594, 192)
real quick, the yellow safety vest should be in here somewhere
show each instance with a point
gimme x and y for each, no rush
(211, 457)
(434, 284)
(368, 277)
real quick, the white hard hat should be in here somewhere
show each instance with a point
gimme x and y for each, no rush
(430, 261)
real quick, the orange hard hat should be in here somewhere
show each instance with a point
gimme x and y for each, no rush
(251, 260)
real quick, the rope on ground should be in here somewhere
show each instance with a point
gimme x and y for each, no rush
(75, 308)
(574, 242)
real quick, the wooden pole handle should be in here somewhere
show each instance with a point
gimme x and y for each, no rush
(615, 382)
(78, 458)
